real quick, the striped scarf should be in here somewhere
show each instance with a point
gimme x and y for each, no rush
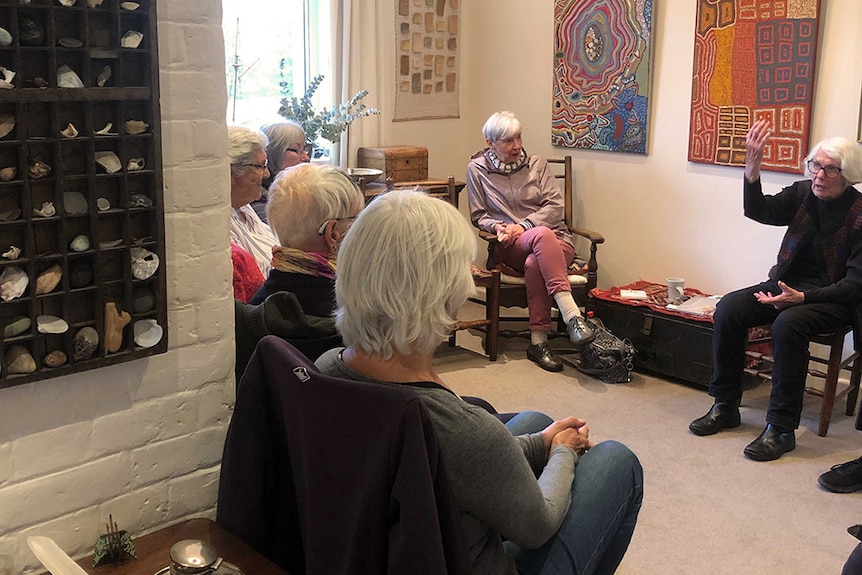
(295, 261)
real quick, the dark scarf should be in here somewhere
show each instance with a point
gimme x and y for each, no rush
(836, 246)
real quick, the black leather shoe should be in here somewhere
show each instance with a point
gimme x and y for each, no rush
(580, 333)
(542, 354)
(771, 444)
(722, 415)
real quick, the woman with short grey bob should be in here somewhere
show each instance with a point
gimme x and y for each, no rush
(404, 271)
(287, 147)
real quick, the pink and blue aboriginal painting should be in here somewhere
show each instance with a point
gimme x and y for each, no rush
(602, 74)
(753, 59)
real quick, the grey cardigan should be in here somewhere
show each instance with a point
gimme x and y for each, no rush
(491, 473)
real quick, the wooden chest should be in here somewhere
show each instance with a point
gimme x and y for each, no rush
(399, 163)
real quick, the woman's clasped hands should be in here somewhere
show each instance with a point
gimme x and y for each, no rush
(571, 432)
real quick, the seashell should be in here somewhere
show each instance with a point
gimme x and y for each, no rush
(144, 263)
(48, 279)
(86, 341)
(106, 131)
(108, 244)
(39, 82)
(131, 39)
(7, 124)
(13, 253)
(8, 174)
(104, 76)
(115, 321)
(147, 332)
(74, 203)
(19, 360)
(39, 169)
(67, 2)
(47, 210)
(134, 127)
(109, 161)
(16, 325)
(23, 2)
(94, 3)
(135, 164)
(8, 76)
(140, 201)
(103, 204)
(51, 324)
(67, 42)
(5, 37)
(55, 359)
(31, 32)
(143, 299)
(10, 215)
(80, 243)
(70, 132)
(67, 78)
(129, 6)
(13, 282)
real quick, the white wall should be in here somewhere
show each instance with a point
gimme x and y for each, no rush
(142, 440)
(660, 214)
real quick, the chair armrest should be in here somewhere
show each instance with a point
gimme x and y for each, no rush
(487, 236)
(594, 237)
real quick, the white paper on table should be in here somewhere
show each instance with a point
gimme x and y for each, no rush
(52, 557)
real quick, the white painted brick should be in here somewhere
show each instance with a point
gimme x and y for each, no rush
(206, 184)
(7, 466)
(212, 362)
(140, 509)
(52, 496)
(37, 454)
(176, 457)
(191, 11)
(214, 409)
(202, 279)
(178, 146)
(183, 328)
(74, 533)
(195, 493)
(200, 90)
(154, 420)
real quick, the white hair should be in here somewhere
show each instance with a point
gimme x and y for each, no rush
(845, 152)
(304, 196)
(403, 272)
(243, 143)
(501, 125)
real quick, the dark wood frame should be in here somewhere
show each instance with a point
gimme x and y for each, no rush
(132, 93)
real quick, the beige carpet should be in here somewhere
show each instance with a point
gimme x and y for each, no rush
(707, 508)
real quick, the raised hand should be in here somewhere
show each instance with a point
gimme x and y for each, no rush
(755, 143)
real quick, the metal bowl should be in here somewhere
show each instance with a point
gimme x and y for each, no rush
(366, 174)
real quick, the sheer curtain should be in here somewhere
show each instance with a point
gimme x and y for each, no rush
(362, 57)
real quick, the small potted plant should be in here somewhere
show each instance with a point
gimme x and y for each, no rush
(325, 123)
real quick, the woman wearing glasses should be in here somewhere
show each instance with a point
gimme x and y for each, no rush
(310, 209)
(248, 168)
(815, 286)
(286, 148)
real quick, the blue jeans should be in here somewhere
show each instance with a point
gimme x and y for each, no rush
(528, 422)
(595, 534)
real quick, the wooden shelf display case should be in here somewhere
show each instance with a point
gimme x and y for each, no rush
(82, 272)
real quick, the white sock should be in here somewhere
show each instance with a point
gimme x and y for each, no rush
(537, 337)
(567, 306)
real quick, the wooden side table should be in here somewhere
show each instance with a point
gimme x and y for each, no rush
(154, 551)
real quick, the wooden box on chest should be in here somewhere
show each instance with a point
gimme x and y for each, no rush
(82, 272)
(399, 163)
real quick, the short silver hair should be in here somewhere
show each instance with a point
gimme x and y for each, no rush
(304, 196)
(243, 142)
(845, 152)
(403, 272)
(282, 135)
(501, 125)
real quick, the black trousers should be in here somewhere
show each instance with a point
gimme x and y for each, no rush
(792, 330)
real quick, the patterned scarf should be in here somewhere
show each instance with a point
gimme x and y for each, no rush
(509, 168)
(295, 261)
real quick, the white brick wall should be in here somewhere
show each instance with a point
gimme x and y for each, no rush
(143, 440)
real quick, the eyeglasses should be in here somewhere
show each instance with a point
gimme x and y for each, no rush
(260, 167)
(322, 229)
(830, 171)
(307, 149)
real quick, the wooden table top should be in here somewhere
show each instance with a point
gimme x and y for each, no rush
(154, 551)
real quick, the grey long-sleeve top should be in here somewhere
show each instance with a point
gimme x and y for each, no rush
(529, 194)
(491, 473)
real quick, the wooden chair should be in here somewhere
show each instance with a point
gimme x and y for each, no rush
(835, 363)
(512, 290)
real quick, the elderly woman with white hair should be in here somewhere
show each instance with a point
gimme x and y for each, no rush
(248, 168)
(514, 195)
(310, 208)
(404, 270)
(815, 287)
(286, 148)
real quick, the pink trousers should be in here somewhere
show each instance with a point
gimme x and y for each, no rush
(544, 259)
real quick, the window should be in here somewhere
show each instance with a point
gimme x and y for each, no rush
(261, 34)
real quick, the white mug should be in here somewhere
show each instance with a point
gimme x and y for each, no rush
(675, 289)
